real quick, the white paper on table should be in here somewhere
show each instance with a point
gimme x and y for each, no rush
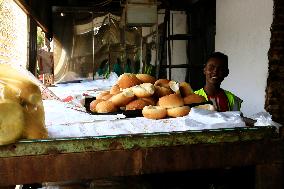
(58, 113)
(65, 122)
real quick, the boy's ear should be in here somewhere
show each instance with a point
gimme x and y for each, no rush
(226, 72)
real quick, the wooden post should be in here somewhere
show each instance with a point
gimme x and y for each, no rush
(32, 47)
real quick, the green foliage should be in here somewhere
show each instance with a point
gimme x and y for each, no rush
(149, 69)
(117, 69)
(40, 39)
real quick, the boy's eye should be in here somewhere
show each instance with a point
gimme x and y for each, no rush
(211, 67)
(216, 69)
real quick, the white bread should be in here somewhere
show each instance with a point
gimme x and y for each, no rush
(114, 89)
(206, 107)
(154, 112)
(128, 80)
(170, 101)
(94, 103)
(106, 97)
(137, 104)
(174, 86)
(123, 98)
(162, 91)
(143, 90)
(162, 83)
(101, 94)
(105, 107)
(193, 98)
(145, 78)
(178, 111)
(149, 100)
(185, 89)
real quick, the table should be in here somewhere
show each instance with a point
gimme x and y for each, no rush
(37, 161)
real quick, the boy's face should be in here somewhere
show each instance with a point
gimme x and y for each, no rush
(215, 71)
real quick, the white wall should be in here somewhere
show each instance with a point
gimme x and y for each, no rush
(243, 33)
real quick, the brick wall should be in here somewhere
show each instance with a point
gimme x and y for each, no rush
(274, 102)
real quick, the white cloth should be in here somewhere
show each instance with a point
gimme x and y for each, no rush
(62, 121)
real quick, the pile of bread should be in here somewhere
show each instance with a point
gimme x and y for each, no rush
(156, 98)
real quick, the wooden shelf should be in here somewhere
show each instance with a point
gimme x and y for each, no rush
(179, 37)
(182, 66)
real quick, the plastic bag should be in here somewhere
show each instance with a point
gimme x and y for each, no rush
(264, 119)
(16, 90)
(199, 119)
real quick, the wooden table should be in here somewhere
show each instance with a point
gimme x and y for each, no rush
(37, 161)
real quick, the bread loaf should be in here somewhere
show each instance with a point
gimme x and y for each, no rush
(154, 112)
(170, 101)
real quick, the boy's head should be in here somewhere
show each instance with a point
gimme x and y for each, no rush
(216, 68)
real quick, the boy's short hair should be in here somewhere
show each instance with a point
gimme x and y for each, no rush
(220, 56)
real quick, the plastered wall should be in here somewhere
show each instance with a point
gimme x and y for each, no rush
(243, 33)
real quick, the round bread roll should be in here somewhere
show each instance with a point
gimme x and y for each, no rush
(162, 83)
(206, 107)
(122, 98)
(106, 97)
(174, 86)
(149, 101)
(143, 90)
(145, 78)
(138, 104)
(185, 89)
(154, 112)
(106, 107)
(128, 80)
(114, 89)
(178, 111)
(193, 98)
(162, 91)
(94, 103)
(103, 93)
(170, 101)
(12, 121)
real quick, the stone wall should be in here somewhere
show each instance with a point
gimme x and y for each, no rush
(274, 102)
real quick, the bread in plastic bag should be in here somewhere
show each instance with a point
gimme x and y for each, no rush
(16, 87)
(35, 123)
(12, 121)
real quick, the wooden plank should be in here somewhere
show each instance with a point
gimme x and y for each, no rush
(207, 156)
(270, 176)
(180, 37)
(37, 169)
(137, 161)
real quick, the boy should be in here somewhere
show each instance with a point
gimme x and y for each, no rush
(215, 70)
